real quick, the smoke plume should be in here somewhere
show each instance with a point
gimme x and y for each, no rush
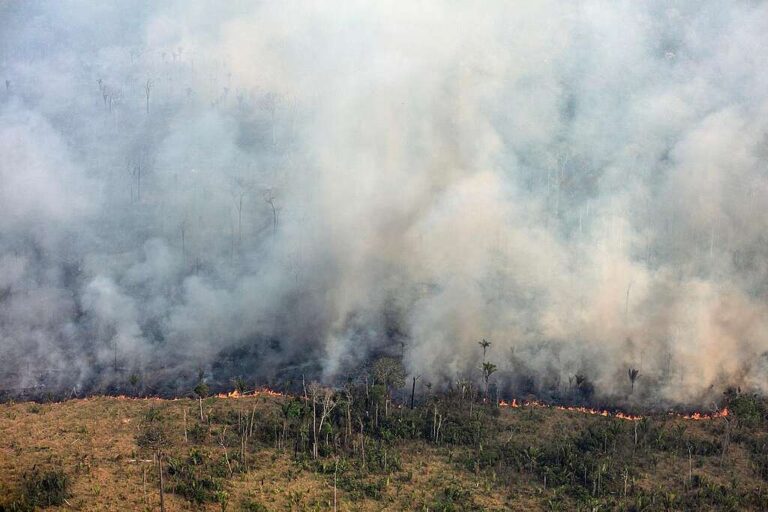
(279, 189)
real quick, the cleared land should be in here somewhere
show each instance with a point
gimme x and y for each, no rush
(258, 453)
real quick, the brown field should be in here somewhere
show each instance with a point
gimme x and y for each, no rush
(94, 440)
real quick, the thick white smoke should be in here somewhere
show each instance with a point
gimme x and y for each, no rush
(290, 188)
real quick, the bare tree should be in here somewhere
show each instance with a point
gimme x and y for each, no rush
(329, 403)
(141, 163)
(413, 389)
(269, 198)
(240, 189)
(147, 90)
(183, 233)
(201, 390)
(324, 397)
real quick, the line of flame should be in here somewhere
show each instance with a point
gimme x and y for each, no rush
(602, 412)
(256, 392)
(514, 404)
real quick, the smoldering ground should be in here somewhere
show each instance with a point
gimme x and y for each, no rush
(285, 188)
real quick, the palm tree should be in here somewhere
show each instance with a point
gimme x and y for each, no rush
(485, 344)
(633, 374)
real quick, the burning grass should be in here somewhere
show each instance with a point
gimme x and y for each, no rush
(695, 416)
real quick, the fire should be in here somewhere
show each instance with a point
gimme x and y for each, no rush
(595, 412)
(602, 412)
(699, 416)
(256, 392)
(512, 404)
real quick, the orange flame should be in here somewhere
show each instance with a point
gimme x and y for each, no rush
(256, 392)
(699, 416)
(602, 412)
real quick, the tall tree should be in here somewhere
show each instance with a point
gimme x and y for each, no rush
(633, 374)
(147, 91)
(485, 344)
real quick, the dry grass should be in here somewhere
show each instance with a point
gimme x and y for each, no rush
(94, 440)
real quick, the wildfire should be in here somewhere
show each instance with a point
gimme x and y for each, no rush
(513, 404)
(256, 392)
(699, 416)
(602, 412)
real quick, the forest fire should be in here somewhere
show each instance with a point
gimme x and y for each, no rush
(696, 416)
(246, 394)
(699, 416)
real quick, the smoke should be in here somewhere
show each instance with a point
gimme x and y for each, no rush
(284, 188)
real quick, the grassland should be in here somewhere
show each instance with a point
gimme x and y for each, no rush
(265, 452)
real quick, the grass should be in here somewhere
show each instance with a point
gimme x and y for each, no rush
(101, 454)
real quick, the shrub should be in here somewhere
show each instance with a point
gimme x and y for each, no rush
(250, 505)
(41, 489)
(453, 499)
(747, 409)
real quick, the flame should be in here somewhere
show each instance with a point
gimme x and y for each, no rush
(513, 404)
(602, 412)
(699, 416)
(256, 392)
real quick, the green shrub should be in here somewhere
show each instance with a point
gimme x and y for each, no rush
(250, 505)
(748, 410)
(40, 489)
(453, 499)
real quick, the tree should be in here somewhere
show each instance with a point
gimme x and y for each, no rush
(325, 397)
(147, 90)
(585, 387)
(633, 374)
(413, 389)
(488, 370)
(240, 384)
(485, 344)
(240, 189)
(134, 381)
(201, 390)
(390, 373)
(269, 198)
(138, 165)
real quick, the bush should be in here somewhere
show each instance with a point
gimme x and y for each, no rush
(250, 505)
(193, 480)
(453, 499)
(747, 409)
(41, 489)
(153, 433)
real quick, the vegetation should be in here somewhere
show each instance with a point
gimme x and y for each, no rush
(40, 488)
(358, 448)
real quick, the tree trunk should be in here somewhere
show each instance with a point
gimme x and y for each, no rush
(314, 428)
(162, 491)
(362, 440)
(335, 471)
